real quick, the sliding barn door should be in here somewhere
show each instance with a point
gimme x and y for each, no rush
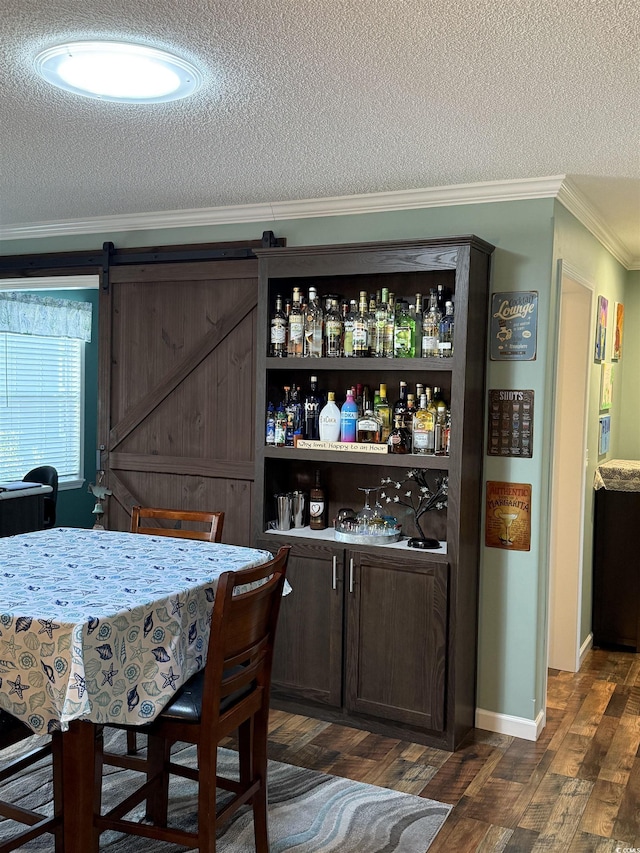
(176, 396)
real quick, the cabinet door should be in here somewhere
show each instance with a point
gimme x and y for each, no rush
(396, 639)
(307, 664)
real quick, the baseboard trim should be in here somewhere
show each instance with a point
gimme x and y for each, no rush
(505, 724)
(584, 648)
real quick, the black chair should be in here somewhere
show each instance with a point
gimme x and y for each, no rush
(48, 476)
(230, 694)
(12, 731)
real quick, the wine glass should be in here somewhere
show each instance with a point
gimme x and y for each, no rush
(367, 512)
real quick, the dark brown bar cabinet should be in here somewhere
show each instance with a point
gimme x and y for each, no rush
(616, 555)
(379, 637)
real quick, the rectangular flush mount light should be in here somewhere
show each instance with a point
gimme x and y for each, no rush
(118, 71)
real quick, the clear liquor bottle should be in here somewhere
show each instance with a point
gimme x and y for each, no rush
(278, 337)
(313, 326)
(379, 324)
(383, 409)
(296, 327)
(445, 344)
(418, 316)
(422, 429)
(390, 326)
(349, 311)
(431, 328)
(333, 331)
(361, 328)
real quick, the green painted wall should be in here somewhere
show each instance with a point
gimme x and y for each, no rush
(513, 586)
(629, 386)
(574, 244)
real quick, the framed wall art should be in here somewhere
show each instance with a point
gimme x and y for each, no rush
(618, 319)
(606, 387)
(604, 435)
(601, 329)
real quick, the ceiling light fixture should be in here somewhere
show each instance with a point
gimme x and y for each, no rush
(118, 71)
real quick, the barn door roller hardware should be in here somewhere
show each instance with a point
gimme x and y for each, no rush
(24, 266)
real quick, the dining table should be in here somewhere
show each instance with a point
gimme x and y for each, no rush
(100, 627)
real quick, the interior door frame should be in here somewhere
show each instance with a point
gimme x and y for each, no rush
(570, 281)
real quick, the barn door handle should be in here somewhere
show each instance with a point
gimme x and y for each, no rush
(334, 573)
(351, 574)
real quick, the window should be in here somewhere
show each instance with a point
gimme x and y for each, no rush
(41, 389)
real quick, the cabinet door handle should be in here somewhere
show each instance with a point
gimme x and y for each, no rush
(351, 574)
(334, 573)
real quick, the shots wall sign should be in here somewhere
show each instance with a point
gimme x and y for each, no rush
(514, 326)
(510, 423)
(508, 516)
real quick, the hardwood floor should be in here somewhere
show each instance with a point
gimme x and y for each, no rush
(576, 790)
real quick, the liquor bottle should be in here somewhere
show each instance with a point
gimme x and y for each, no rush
(431, 328)
(404, 335)
(440, 428)
(296, 327)
(369, 427)
(419, 391)
(417, 315)
(371, 322)
(330, 419)
(390, 327)
(408, 416)
(312, 411)
(281, 426)
(317, 506)
(349, 418)
(383, 409)
(297, 412)
(333, 331)
(442, 292)
(433, 411)
(279, 323)
(358, 397)
(379, 324)
(313, 326)
(422, 429)
(289, 428)
(445, 344)
(361, 328)
(400, 405)
(270, 437)
(349, 311)
(398, 440)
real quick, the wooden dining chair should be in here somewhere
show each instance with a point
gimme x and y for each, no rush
(211, 523)
(230, 694)
(12, 731)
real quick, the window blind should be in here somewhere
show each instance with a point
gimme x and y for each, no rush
(41, 405)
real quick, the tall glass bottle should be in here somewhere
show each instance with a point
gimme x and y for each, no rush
(349, 418)
(296, 326)
(383, 409)
(317, 506)
(422, 433)
(445, 344)
(333, 331)
(312, 411)
(297, 412)
(404, 336)
(270, 427)
(313, 326)
(349, 311)
(379, 324)
(400, 406)
(431, 328)
(418, 325)
(390, 327)
(330, 419)
(279, 323)
(281, 426)
(361, 328)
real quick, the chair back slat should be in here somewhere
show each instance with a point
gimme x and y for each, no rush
(210, 530)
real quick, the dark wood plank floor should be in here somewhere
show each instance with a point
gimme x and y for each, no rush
(576, 790)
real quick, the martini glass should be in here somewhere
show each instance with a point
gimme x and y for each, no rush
(507, 518)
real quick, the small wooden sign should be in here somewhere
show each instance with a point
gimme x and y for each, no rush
(508, 516)
(350, 446)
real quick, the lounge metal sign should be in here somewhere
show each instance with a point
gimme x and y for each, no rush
(514, 326)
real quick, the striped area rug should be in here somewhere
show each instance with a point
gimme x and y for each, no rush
(309, 812)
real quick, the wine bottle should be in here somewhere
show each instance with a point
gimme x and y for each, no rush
(317, 506)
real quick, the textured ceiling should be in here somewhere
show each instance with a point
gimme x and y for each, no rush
(307, 100)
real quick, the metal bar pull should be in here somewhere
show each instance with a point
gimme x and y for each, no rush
(334, 573)
(351, 574)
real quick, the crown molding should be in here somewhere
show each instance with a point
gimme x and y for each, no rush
(570, 197)
(488, 192)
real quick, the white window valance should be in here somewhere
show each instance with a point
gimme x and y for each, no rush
(26, 314)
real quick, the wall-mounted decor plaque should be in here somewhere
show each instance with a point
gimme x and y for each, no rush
(510, 423)
(508, 516)
(514, 326)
